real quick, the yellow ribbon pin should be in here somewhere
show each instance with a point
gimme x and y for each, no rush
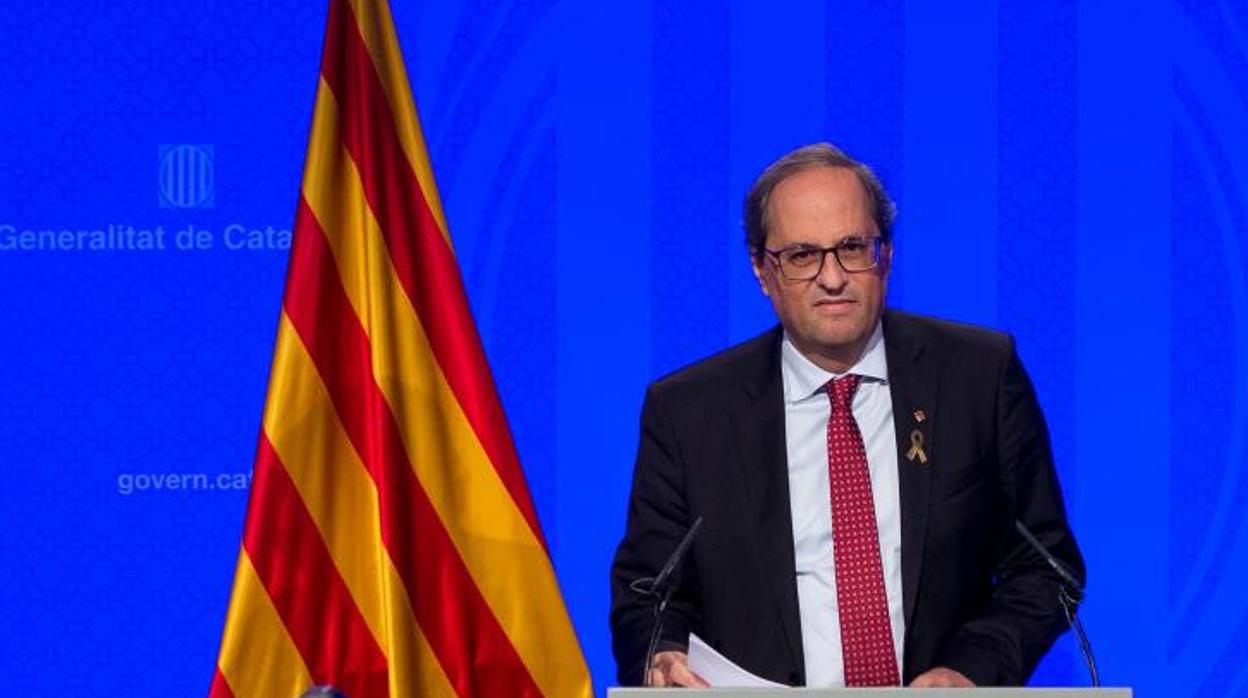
(916, 447)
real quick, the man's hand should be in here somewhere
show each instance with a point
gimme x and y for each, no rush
(672, 669)
(941, 677)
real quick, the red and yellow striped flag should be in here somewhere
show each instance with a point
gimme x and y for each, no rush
(391, 547)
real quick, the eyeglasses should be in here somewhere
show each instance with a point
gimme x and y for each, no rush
(805, 262)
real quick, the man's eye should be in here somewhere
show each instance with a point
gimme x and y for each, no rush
(801, 257)
(853, 246)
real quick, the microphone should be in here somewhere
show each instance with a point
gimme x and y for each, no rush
(658, 588)
(1069, 595)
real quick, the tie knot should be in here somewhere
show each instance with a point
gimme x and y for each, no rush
(841, 391)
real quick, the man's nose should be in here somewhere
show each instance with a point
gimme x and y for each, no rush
(831, 276)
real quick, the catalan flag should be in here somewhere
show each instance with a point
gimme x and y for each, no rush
(391, 547)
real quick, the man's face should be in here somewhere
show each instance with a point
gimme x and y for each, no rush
(831, 317)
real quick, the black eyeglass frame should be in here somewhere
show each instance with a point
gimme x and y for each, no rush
(877, 243)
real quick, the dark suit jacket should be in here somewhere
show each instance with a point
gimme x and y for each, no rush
(976, 598)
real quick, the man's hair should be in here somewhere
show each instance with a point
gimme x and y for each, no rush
(809, 157)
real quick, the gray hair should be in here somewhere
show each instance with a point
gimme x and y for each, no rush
(807, 157)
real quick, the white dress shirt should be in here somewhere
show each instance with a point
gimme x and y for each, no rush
(806, 412)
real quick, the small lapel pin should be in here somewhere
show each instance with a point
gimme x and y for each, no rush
(916, 447)
(919, 416)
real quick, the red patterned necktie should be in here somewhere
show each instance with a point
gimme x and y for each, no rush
(866, 636)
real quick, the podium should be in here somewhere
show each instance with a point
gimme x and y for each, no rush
(986, 692)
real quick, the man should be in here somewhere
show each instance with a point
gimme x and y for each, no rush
(858, 471)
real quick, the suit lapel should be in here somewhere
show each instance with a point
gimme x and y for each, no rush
(759, 436)
(912, 385)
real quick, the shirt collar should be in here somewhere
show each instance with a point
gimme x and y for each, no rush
(802, 378)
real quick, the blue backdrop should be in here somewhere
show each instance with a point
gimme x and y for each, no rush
(1073, 172)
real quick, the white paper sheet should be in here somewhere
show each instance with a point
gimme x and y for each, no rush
(719, 671)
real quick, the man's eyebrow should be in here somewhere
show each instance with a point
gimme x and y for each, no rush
(851, 236)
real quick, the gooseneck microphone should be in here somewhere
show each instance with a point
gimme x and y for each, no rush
(1069, 595)
(659, 588)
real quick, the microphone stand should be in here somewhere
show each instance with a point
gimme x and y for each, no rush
(653, 646)
(660, 589)
(1069, 595)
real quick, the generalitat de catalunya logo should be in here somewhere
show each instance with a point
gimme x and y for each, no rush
(187, 176)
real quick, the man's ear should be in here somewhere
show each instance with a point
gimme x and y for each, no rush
(756, 262)
(886, 258)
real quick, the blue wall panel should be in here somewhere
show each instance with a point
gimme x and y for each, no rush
(950, 160)
(1036, 223)
(603, 290)
(1208, 561)
(690, 200)
(1122, 362)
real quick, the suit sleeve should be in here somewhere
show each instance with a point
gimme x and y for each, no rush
(1022, 618)
(657, 520)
